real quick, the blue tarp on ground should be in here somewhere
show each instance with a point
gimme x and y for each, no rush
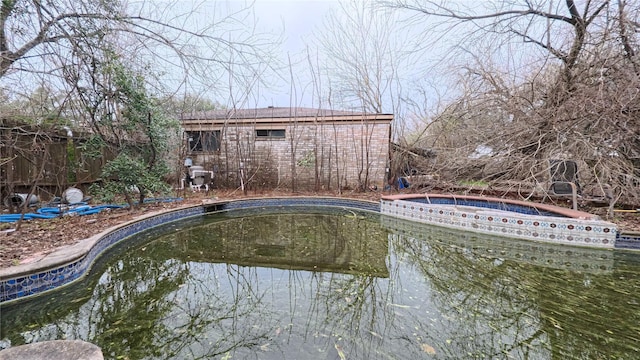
(72, 209)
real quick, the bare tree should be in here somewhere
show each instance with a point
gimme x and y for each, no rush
(360, 57)
(64, 48)
(361, 53)
(31, 32)
(575, 98)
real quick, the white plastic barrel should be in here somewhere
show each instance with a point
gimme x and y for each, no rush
(72, 195)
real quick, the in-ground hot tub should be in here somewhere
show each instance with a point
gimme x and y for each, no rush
(503, 217)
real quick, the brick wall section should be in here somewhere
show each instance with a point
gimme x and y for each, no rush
(321, 154)
(348, 154)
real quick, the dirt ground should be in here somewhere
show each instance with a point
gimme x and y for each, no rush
(37, 238)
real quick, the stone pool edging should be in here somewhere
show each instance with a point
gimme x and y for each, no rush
(504, 217)
(54, 349)
(68, 264)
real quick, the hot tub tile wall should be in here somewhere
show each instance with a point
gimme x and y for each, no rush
(485, 204)
(548, 255)
(496, 221)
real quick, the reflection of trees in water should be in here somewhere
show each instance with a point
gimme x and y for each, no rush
(289, 241)
(592, 316)
(485, 309)
(347, 311)
(165, 300)
(128, 288)
(320, 312)
(129, 306)
(497, 308)
(241, 313)
(218, 311)
(162, 300)
(143, 308)
(353, 307)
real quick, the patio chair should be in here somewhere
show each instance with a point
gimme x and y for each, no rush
(564, 180)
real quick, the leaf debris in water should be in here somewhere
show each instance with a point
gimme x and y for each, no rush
(80, 299)
(428, 349)
(340, 352)
(400, 306)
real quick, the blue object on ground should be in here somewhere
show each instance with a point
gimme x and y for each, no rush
(403, 183)
(80, 208)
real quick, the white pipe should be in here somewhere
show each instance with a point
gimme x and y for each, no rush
(242, 179)
(194, 172)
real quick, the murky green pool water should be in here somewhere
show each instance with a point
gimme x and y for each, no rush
(341, 286)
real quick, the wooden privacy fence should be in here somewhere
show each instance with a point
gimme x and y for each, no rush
(49, 160)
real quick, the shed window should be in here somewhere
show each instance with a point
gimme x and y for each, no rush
(203, 141)
(270, 134)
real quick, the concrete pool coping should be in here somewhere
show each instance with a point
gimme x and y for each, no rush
(54, 349)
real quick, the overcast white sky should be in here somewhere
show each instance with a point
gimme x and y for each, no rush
(298, 20)
(298, 23)
(294, 21)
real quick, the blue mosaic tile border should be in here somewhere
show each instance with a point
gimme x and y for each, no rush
(47, 279)
(315, 202)
(522, 209)
(31, 284)
(628, 241)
